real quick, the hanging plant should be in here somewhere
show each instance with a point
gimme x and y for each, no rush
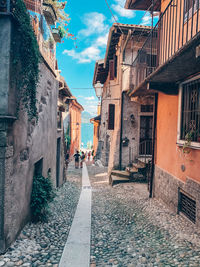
(62, 17)
(26, 60)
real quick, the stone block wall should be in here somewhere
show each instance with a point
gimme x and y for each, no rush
(130, 130)
(166, 187)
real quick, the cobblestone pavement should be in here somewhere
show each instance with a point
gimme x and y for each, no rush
(42, 244)
(129, 229)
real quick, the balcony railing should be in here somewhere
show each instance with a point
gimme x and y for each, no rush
(5, 6)
(177, 25)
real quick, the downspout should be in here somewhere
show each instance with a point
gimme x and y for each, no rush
(121, 132)
(153, 145)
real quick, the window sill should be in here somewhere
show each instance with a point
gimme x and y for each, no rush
(193, 145)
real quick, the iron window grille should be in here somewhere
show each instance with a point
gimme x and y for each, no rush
(190, 111)
(187, 205)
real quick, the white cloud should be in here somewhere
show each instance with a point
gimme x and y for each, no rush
(101, 41)
(89, 98)
(121, 11)
(95, 24)
(91, 109)
(146, 19)
(88, 55)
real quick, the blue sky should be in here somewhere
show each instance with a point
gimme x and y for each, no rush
(90, 23)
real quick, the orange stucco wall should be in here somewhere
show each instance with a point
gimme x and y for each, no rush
(95, 136)
(75, 126)
(169, 156)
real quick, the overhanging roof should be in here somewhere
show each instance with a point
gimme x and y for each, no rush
(100, 73)
(97, 118)
(117, 29)
(142, 5)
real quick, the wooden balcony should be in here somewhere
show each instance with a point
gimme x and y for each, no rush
(177, 48)
(49, 13)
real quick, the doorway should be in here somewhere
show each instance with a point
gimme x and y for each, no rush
(146, 124)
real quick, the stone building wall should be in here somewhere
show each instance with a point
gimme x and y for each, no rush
(130, 130)
(104, 137)
(29, 143)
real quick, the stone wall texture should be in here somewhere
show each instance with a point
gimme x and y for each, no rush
(166, 188)
(130, 130)
(28, 142)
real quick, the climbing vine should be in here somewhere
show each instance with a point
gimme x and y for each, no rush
(42, 194)
(25, 61)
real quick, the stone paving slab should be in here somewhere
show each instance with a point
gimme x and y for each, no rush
(77, 249)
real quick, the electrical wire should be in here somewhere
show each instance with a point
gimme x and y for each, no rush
(113, 16)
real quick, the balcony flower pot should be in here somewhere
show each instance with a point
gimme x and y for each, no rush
(56, 35)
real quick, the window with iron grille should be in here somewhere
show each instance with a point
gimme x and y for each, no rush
(187, 206)
(190, 111)
(111, 117)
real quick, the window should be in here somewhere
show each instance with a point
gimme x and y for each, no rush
(190, 111)
(187, 205)
(59, 119)
(189, 7)
(115, 66)
(146, 108)
(111, 69)
(38, 167)
(111, 117)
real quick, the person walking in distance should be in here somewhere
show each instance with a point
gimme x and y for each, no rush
(76, 157)
(82, 158)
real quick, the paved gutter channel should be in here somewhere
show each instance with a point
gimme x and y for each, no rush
(77, 249)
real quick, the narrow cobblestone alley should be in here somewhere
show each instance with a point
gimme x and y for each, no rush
(128, 228)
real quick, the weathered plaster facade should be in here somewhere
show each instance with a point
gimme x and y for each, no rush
(115, 91)
(27, 147)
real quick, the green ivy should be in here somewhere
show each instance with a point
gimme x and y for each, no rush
(42, 194)
(26, 60)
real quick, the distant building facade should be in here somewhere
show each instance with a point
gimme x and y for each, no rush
(75, 125)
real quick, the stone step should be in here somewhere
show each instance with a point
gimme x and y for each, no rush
(118, 173)
(139, 165)
(143, 159)
(131, 170)
(117, 179)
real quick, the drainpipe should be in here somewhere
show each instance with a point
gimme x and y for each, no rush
(153, 145)
(121, 131)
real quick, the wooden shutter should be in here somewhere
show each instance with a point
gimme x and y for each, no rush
(111, 117)
(115, 66)
(111, 69)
